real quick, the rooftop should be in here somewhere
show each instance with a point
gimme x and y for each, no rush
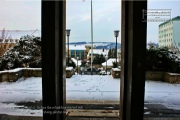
(76, 47)
(175, 18)
(98, 51)
(109, 62)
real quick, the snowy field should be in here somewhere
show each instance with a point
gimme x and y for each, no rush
(85, 87)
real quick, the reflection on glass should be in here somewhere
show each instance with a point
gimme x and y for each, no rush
(20, 58)
(163, 61)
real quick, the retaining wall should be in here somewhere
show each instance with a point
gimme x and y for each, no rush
(163, 76)
(69, 73)
(155, 76)
(15, 74)
(116, 73)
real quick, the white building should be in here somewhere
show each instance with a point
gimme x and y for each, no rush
(76, 51)
(77, 62)
(169, 34)
(109, 62)
(104, 52)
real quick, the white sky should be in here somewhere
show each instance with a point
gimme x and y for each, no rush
(26, 15)
(20, 15)
(107, 18)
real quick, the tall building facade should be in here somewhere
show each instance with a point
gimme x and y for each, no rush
(169, 34)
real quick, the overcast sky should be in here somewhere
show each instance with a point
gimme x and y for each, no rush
(107, 18)
(152, 27)
(20, 14)
(26, 15)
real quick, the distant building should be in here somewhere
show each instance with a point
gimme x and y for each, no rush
(5, 44)
(169, 34)
(76, 51)
(109, 63)
(88, 47)
(97, 52)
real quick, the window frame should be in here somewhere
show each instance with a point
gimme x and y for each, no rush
(132, 58)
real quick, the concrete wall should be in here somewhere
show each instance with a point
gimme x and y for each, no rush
(163, 76)
(172, 78)
(115, 74)
(14, 75)
(69, 73)
(155, 75)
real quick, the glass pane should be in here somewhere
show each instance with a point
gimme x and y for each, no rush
(20, 59)
(162, 96)
(95, 81)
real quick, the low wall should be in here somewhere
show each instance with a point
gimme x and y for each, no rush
(172, 77)
(15, 74)
(163, 76)
(97, 66)
(69, 72)
(155, 75)
(116, 73)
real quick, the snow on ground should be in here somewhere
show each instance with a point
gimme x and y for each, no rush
(163, 93)
(12, 109)
(83, 87)
(19, 69)
(22, 90)
(92, 87)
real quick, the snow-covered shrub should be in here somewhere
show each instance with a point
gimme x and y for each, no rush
(71, 63)
(26, 53)
(162, 59)
(99, 59)
(115, 65)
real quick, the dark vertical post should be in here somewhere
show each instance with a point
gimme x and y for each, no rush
(53, 57)
(116, 34)
(133, 55)
(60, 61)
(68, 50)
(48, 56)
(77, 66)
(116, 51)
(91, 38)
(106, 67)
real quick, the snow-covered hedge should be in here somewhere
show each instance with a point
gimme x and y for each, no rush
(26, 53)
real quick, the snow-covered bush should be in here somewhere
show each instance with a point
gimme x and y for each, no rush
(99, 59)
(71, 63)
(162, 59)
(26, 53)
